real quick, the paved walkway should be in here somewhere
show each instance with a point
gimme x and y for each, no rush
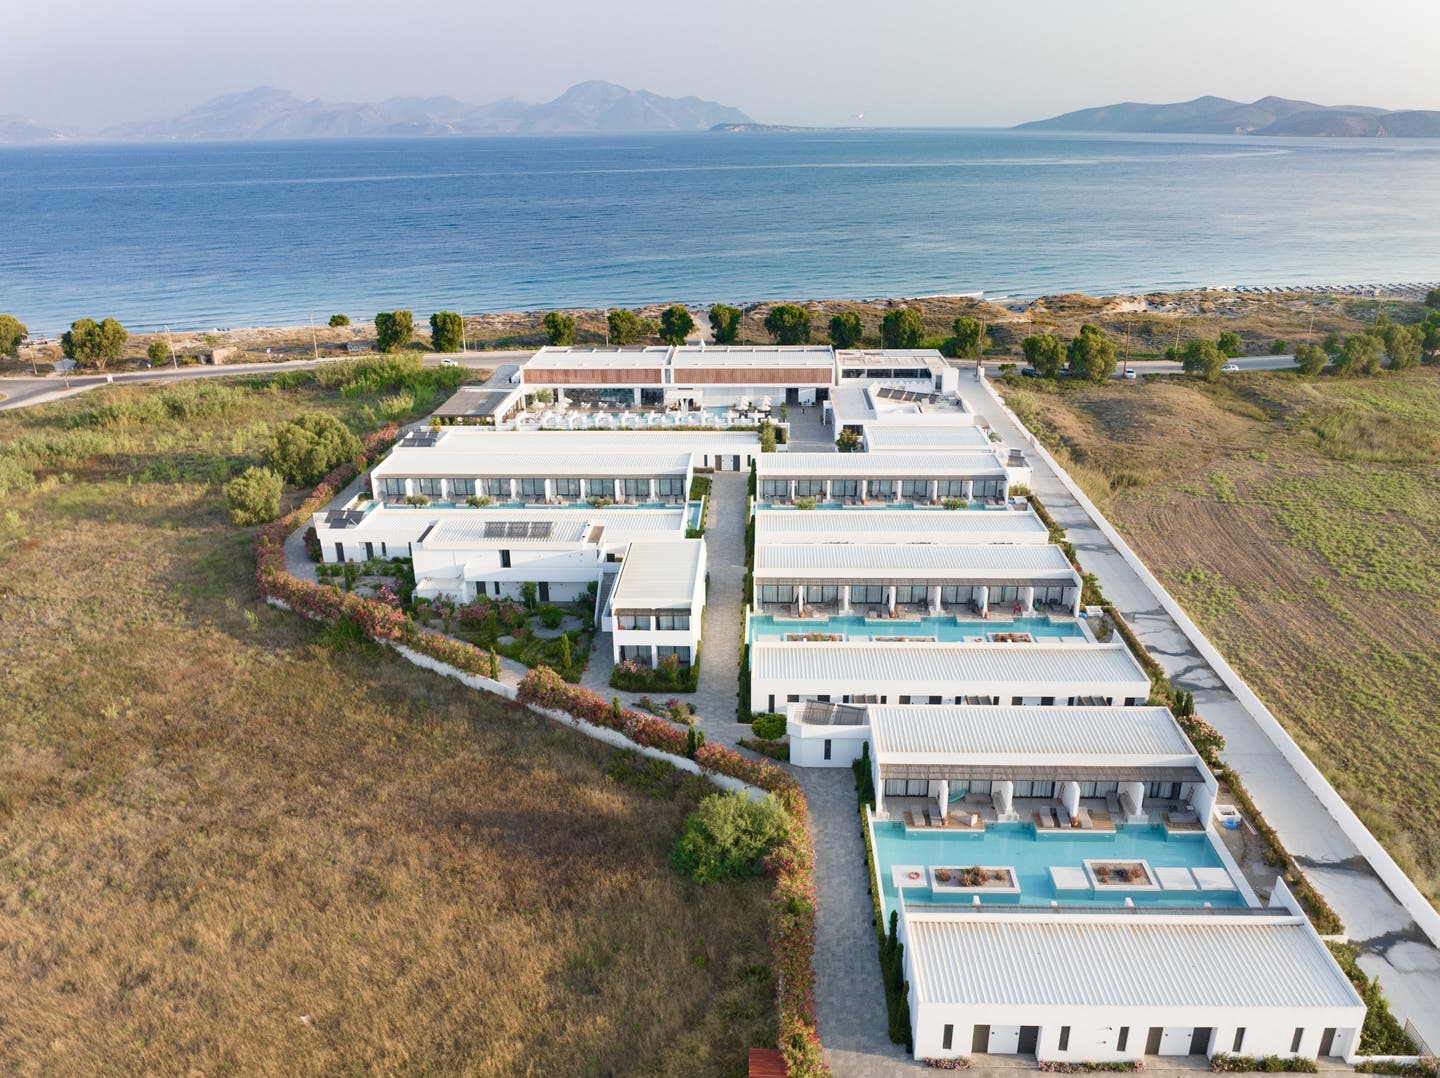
(1392, 946)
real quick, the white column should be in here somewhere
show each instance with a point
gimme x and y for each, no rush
(799, 598)
(1070, 797)
(1027, 599)
(654, 658)
(844, 598)
(1136, 790)
(879, 788)
(791, 489)
(890, 598)
(984, 600)
(1003, 795)
(967, 489)
(635, 397)
(942, 797)
(932, 488)
(1075, 606)
(934, 597)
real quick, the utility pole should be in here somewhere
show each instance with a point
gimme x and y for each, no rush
(314, 340)
(170, 343)
(1125, 364)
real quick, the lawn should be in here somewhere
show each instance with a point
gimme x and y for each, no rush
(1297, 523)
(233, 841)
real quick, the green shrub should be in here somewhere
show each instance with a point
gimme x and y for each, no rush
(1223, 1063)
(1278, 346)
(338, 320)
(447, 331)
(253, 497)
(393, 330)
(551, 616)
(768, 726)
(728, 836)
(305, 450)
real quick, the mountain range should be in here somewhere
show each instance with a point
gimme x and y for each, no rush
(1268, 116)
(269, 113)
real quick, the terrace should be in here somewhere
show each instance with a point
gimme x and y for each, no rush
(937, 629)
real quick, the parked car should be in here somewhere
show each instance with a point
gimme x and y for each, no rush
(1029, 372)
(448, 362)
(1131, 375)
(1231, 367)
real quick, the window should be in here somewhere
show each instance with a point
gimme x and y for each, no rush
(774, 488)
(636, 487)
(1124, 1038)
(867, 594)
(505, 559)
(950, 488)
(777, 593)
(1168, 790)
(567, 488)
(1295, 1040)
(907, 788)
(880, 489)
(600, 488)
(391, 488)
(680, 652)
(672, 487)
(497, 488)
(947, 1038)
(809, 488)
(827, 748)
(1064, 1038)
(911, 593)
(845, 488)
(462, 488)
(989, 488)
(1239, 1039)
(822, 593)
(532, 490)
(671, 620)
(956, 594)
(428, 487)
(914, 488)
(633, 621)
(1047, 701)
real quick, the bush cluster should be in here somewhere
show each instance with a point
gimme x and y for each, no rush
(727, 837)
(1228, 1064)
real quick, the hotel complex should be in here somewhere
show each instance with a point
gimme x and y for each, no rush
(1045, 842)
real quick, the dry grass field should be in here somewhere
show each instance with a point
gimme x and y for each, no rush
(1297, 523)
(232, 842)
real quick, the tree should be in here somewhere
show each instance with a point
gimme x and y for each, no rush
(1430, 335)
(724, 323)
(253, 497)
(767, 437)
(727, 836)
(1203, 358)
(967, 333)
(1402, 345)
(559, 329)
(1092, 354)
(1278, 346)
(12, 332)
(156, 352)
(1333, 343)
(625, 326)
(304, 450)
(1432, 298)
(848, 442)
(788, 324)
(92, 344)
(393, 330)
(675, 324)
(846, 329)
(338, 320)
(901, 328)
(1310, 359)
(447, 331)
(1360, 354)
(1043, 351)
(1230, 344)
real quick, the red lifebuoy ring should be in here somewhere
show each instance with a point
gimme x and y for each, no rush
(914, 875)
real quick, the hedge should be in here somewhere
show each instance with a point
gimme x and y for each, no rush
(791, 863)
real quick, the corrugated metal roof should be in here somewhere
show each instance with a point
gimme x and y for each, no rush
(901, 665)
(1016, 732)
(439, 461)
(620, 524)
(898, 526)
(958, 463)
(888, 437)
(1110, 962)
(659, 575)
(958, 562)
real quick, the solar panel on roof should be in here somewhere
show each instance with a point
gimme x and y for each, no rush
(421, 437)
(518, 529)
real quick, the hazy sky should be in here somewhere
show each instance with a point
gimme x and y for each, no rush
(87, 63)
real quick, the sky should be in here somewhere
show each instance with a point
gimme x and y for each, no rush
(86, 64)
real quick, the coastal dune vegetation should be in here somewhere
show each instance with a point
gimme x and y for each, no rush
(232, 840)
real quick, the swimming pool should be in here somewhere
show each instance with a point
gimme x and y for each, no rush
(945, 629)
(1017, 846)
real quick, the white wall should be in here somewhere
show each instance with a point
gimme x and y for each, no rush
(1029, 693)
(807, 744)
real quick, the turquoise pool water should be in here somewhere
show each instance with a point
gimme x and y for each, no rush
(1017, 846)
(975, 506)
(947, 629)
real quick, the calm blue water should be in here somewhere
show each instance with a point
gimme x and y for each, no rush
(1017, 846)
(768, 627)
(203, 235)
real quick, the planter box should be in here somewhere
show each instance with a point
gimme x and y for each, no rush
(1106, 875)
(998, 880)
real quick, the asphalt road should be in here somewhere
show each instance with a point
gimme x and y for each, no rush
(23, 391)
(1245, 363)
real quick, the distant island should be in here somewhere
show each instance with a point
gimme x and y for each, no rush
(1268, 116)
(270, 113)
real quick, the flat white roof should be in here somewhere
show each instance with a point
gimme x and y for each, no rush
(1080, 735)
(465, 528)
(882, 665)
(690, 357)
(1123, 961)
(898, 526)
(437, 461)
(659, 575)
(890, 465)
(598, 358)
(888, 436)
(1003, 561)
(489, 440)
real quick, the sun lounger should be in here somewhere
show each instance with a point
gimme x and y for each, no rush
(1182, 817)
(931, 821)
(1045, 819)
(1083, 815)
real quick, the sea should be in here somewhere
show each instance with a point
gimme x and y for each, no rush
(200, 236)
